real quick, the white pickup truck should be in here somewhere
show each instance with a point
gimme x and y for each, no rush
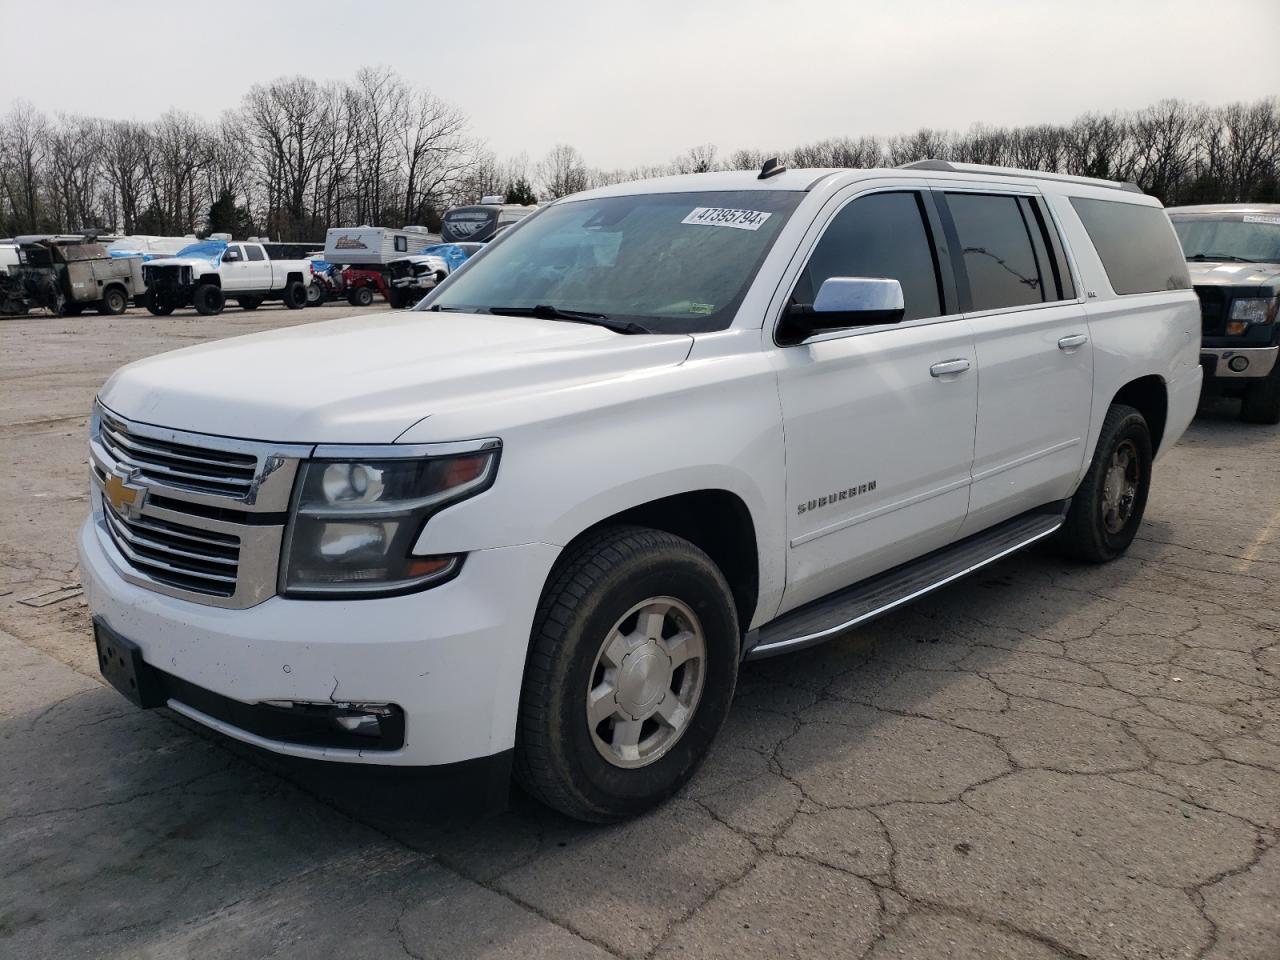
(654, 430)
(208, 273)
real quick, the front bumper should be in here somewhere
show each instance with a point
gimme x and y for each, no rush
(452, 658)
(1253, 362)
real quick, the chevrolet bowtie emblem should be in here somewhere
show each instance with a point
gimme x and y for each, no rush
(125, 498)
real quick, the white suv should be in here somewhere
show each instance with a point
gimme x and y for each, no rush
(652, 431)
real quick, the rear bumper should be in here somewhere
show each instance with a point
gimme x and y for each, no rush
(451, 658)
(1235, 364)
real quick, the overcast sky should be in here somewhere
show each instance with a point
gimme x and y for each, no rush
(632, 83)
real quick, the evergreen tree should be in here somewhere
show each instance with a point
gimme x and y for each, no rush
(521, 191)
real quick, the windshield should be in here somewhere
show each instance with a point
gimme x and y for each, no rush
(1226, 236)
(671, 262)
(205, 249)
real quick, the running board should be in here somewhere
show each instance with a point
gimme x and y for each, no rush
(837, 612)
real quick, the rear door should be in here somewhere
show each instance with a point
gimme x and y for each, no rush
(878, 420)
(1033, 349)
(259, 267)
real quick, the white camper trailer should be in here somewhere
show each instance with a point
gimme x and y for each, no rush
(374, 246)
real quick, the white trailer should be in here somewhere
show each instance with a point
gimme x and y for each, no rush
(374, 246)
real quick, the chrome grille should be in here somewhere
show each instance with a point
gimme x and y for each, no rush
(188, 558)
(191, 515)
(206, 470)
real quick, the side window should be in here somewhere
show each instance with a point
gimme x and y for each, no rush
(1136, 244)
(881, 235)
(402, 244)
(1057, 255)
(254, 252)
(998, 252)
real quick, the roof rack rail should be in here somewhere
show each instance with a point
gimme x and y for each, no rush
(948, 166)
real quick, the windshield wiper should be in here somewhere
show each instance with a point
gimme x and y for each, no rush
(1202, 257)
(546, 311)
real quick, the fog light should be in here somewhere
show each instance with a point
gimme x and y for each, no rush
(365, 724)
(1238, 364)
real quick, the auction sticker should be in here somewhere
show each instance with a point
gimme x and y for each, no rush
(1248, 218)
(727, 217)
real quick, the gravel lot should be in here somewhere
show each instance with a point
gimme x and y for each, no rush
(1047, 760)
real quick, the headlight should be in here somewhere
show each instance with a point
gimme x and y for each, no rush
(1254, 309)
(355, 521)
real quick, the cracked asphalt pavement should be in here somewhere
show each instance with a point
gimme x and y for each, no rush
(1046, 760)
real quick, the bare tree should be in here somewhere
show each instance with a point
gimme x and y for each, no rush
(434, 151)
(22, 147)
(562, 172)
(1164, 138)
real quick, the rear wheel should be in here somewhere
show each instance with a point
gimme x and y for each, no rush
(1262, 399)
(114, 303)
(1107, 508)
(208, 300)
(631, 670)
(295, 295)
(249, 303)
(360, 296)
(315, 294)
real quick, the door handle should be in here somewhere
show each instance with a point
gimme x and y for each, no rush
(1073, 341)
(948, 368)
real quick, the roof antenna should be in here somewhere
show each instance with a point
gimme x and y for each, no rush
(771, 168)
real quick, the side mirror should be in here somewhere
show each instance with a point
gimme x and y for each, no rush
(844, 302)
(230, 257)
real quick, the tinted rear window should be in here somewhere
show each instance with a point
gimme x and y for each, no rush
(999, 258)
(1136, 244)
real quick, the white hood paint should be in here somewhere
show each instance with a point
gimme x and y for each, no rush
(368, 379)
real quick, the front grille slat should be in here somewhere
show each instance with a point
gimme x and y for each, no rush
(204, 569)
(157, 546)
(179, 465)
(1213, 310)
(176, 451)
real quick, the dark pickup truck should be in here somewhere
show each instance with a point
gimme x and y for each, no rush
(1233, 254)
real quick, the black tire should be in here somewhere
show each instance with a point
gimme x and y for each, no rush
(249, 303)
(316, 294)
(295, 295)
(208, 300)
(114, 302)
(400, 299)
(1092, 531)
(157, 305)
(1261, 402)
(590, 590)
(360, 296)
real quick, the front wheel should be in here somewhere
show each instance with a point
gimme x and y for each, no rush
(360, 296)
(315, 294)
(631, 670)
(1107, 508)
(157, 305)
(208, 300)
(1261, 402)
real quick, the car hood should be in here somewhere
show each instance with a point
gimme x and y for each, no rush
(195, 263)
(368, 379)
(1212, 274)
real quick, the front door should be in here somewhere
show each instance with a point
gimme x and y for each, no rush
(235, 271)
(879, 421)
